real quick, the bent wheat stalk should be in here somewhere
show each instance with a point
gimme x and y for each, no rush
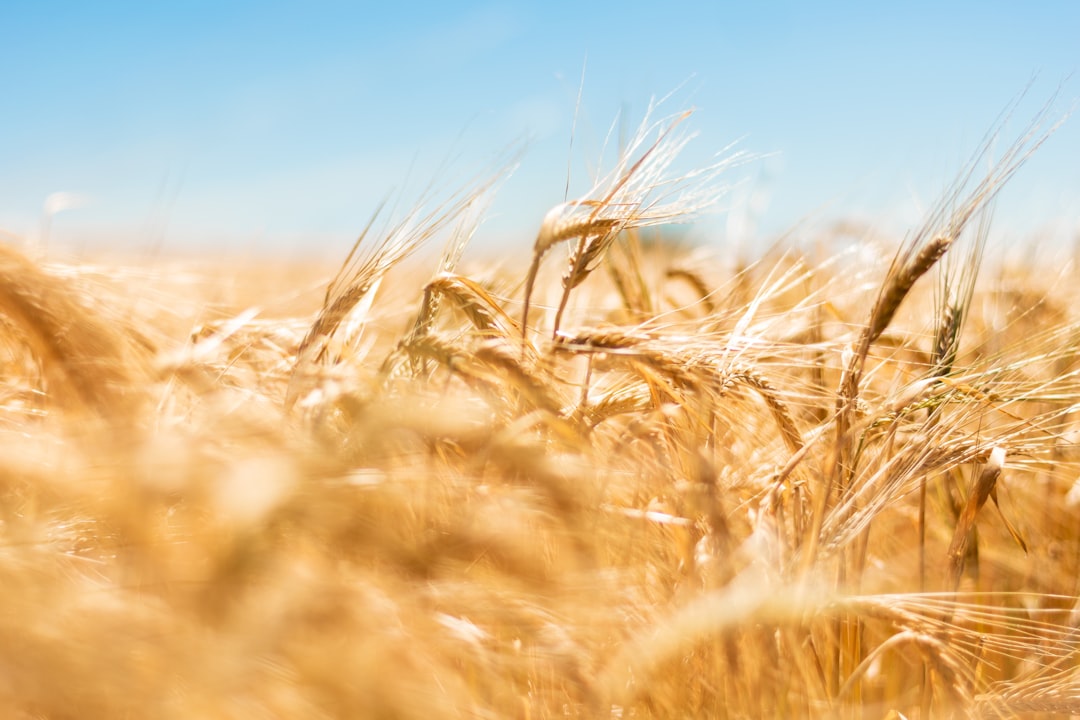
(637, 193)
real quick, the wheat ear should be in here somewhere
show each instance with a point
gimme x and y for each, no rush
(86, 361)
(639, 192)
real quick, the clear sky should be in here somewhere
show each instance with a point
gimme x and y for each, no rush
(282, 125)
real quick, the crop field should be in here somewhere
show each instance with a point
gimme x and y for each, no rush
(614, 476)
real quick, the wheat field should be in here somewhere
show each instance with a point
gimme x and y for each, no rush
(641, 480)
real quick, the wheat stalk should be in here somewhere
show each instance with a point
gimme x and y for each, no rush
(639, 192)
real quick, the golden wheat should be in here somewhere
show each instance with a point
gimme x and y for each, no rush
(223, 500)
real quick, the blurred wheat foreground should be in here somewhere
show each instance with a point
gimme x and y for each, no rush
(639, 484)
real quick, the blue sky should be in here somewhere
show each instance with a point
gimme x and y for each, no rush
(280, 126)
